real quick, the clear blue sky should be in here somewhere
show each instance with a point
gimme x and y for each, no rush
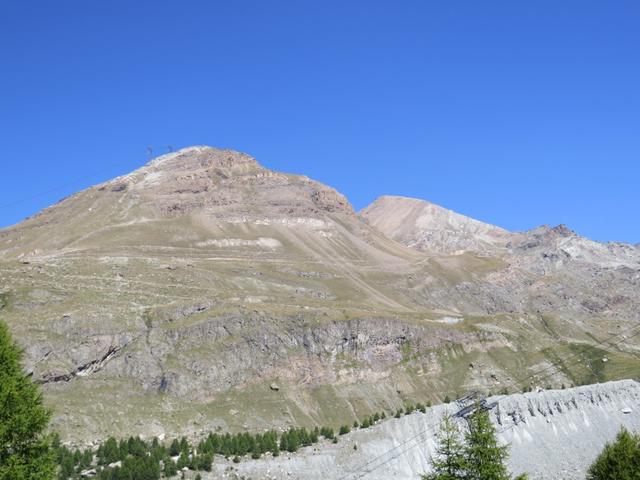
(516, 113)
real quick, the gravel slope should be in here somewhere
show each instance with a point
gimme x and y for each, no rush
(552, 434)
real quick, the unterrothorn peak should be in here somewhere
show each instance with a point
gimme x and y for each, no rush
(202, 157)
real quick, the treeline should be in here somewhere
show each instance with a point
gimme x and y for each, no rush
(135, 458)
(130, 459)
(474, 455)
(418, 407)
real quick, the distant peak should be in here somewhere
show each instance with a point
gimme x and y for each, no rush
(400, 198)
(563, 230)
(406, 204)
(397, 202)
(424, 225)
(560, 230)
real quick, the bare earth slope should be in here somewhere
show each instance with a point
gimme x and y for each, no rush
(204, 290)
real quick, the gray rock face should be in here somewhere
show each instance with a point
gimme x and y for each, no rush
(551, 434)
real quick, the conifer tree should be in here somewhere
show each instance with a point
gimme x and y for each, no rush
(25, 452)
(619, 460)
(450, 463)
(170, 468)
(108, 452)
(485, 458)
(174, 448)
(477, 456)
(183, 460)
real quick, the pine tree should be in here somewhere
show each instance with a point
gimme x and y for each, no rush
(170, 468)
(478, 457)
(184, 445)
(86, 460)
(450, 463)
(619, 460)
(108, 452)
(174, 448)
(25, 453)
(183, 460)
(485, 458)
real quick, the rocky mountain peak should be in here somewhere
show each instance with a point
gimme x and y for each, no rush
(191, 167)
(430, 227)
(558, 231)
(206, 158)
(563, 230)
(198, 185)
(225, 182)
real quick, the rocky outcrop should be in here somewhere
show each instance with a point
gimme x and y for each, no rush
(88, 368)
(252, 347)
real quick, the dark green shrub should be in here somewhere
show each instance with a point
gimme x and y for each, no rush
(618, 460)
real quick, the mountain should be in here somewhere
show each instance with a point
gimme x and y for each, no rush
(573, 274)
(205, 291)
(426, 226)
